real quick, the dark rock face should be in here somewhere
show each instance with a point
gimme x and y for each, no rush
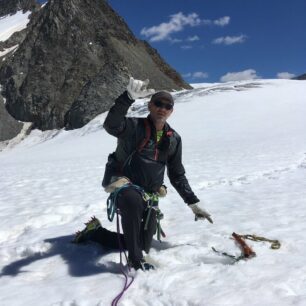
(15, 39)
(9, 127)
(75, 60)
(301, 77)
(9, 7)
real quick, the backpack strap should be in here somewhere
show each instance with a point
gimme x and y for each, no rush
(147, 137)
(169, 133)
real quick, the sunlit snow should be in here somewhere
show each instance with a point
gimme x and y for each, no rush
(244, 151)
(12, 23)
(6, 51)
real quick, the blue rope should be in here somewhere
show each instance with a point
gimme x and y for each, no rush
(112, 199)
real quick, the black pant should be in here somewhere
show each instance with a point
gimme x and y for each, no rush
(135, 238)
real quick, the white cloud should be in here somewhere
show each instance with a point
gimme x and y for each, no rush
(200, 75)
(249, 74)
(175, 40)
(196, 75)
(230, 40)
(206, 21)
(285, 75)
(223, 21)
(193, 38)
(186, 47)
(176, 24)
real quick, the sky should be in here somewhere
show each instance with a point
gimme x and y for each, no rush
(222, 40)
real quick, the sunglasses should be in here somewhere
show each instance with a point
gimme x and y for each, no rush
(161, 104)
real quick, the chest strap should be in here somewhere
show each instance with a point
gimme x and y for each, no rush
(147, 137)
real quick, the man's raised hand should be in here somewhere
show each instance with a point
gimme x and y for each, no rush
(138, 89)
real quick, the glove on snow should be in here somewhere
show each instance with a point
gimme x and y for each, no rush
(200, 213)
(138, 89)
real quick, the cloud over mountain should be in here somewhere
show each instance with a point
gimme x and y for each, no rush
(176, 24)
(285, 75)
(249, 74)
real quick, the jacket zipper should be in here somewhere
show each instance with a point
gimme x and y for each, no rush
(156, 152)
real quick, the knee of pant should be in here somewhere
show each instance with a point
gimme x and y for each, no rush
(129, 200)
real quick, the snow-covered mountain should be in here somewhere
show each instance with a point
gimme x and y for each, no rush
(300, 77)
(244, 151)
(71, 61)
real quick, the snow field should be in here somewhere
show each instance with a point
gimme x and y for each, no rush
(244, 153)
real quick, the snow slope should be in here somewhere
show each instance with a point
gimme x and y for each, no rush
(12, 23)
(244, 151)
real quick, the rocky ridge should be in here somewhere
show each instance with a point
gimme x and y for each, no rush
(300, 77)
(9, 126)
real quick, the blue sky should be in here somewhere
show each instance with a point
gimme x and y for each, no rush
(222, 40)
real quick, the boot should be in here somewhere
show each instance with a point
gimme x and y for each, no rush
(87, 233)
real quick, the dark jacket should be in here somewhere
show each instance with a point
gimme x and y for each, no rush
(146, 167)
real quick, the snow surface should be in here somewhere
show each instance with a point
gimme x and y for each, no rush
(13, 23)
(244, 151)
(8, 50)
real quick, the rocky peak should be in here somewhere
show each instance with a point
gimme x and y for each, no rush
(300, 77)
(76, 58)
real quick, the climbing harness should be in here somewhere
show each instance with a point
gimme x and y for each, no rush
(112, 199)
(152, 200)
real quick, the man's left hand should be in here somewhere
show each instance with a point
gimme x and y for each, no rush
(200, 213)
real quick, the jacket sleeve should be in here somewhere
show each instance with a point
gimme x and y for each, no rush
(116, 123)
(176, 174)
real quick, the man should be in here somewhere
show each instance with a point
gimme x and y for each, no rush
(146, 146)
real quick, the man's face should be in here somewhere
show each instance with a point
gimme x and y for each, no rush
(160, 110)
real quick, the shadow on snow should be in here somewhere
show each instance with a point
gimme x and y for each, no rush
(82, 260)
